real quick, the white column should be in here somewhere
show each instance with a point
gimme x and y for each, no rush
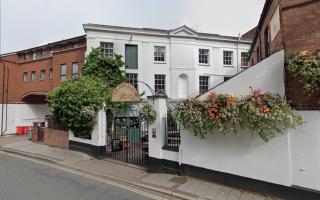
(157, 129)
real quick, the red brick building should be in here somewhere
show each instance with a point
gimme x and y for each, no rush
(292, 26)
(28, 75)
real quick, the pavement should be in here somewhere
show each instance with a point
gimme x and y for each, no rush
(177, 186)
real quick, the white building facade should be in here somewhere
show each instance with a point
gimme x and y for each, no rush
(180, 62)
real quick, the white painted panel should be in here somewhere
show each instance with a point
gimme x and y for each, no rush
(239, 154)
(267, 75)
(305, 152)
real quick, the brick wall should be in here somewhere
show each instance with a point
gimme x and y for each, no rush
(56, 138)
(259, 53)
(301, 30)
(18, 88)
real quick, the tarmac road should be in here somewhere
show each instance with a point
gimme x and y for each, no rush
(22, 179)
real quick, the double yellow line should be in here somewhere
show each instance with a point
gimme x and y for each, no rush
(119, 185)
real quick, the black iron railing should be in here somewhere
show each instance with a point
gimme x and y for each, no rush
(172, 131)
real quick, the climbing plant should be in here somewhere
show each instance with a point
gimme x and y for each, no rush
(305, 66)
(262, 114)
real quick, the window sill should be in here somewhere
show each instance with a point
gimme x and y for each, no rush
(159, 62)
(203, 64)
(230, 66)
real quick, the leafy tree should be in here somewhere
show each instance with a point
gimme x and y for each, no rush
(105, 67)
(75, 102)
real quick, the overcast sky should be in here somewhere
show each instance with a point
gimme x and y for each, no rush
(28, 23)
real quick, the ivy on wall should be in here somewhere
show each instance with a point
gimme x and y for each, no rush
(262, 114)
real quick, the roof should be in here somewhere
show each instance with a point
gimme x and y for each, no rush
(265, 10)
(250, 34)
(189, 32)
(48, 45)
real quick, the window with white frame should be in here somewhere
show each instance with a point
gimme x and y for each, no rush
(42, 74)
(106, 48)
(50, 73)
(244, 59)
(133, 79)
(204, 56)
(160, 83)
(203, 84)
(34, 56)
(25, 57)
(33, 75)
(75, 70)
(63, 72)
(159, 53)
(25, 76)
(227, 58)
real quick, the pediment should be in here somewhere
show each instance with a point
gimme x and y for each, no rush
(184, 31)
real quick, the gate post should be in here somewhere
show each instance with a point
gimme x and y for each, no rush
(157, 131)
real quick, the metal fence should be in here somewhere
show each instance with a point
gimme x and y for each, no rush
(172, 131)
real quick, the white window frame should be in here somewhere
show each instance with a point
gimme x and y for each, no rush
(227, 58)
(107, 50)
(42, 74)
(75, 74)
(133, 79)
(50, 73)
(25, 76)
(242, 58)
(33, 75)
(63, 77)
(34, 55)
(159, 53)
(201, 85)
(202, 56)
(157, 85)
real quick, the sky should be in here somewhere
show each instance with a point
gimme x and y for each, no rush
(28, 23)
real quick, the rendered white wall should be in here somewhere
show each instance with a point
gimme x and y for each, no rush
(239, 154)
(267, 75)
(181, 58)
(25, 115)
(305, 152)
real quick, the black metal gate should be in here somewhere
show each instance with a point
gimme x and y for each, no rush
(129, 141)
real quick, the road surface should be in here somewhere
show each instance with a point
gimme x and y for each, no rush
(22, 179)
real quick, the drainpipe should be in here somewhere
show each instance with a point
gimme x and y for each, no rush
(238, 52)
(3, 92)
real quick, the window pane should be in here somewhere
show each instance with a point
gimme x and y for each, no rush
(63, 72)
(42, 74)
(106, 48)
(227, 57)
(75, 70)
(133, 79)
(203, 84)
(50, 74)
(160, 83)
(244, 59)
(33, 75)
(204, 56)
(159, 53)
(131, 56)
(25, 76)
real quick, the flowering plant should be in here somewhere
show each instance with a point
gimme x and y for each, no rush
(260, 113)
(305, 66)
(147, 113)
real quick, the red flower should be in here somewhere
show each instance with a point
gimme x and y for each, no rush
(212, 115)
